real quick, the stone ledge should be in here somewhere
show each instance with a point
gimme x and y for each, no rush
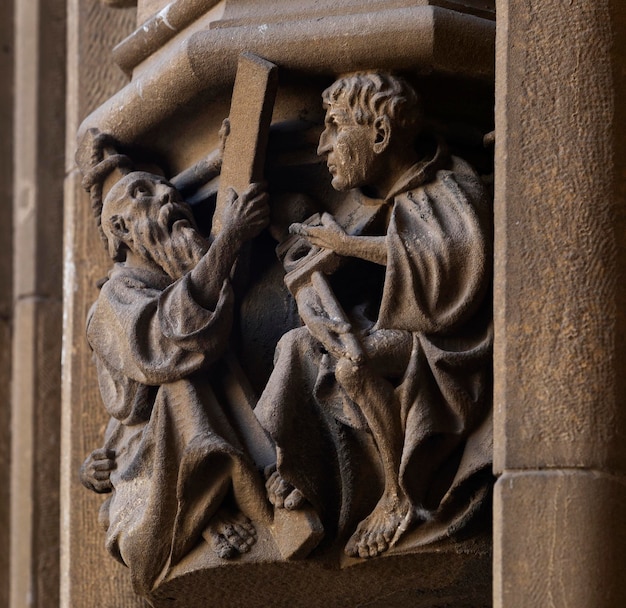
(446, 574)
(416, 39)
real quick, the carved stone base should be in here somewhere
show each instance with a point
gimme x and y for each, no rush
(446, 574)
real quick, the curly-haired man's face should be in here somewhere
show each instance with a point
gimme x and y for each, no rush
(348, 147)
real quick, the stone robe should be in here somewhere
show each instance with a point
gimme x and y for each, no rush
(429, 344)
(178, 456)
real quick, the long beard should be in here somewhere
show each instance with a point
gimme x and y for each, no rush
(177, 250)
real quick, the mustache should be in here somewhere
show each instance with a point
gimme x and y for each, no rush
(174, 214)
(172, 240)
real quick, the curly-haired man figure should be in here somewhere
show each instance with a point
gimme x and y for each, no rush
(386, 435)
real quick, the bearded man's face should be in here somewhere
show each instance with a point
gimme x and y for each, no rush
(145, 213)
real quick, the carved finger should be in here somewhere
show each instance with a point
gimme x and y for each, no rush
(254, 190)
(278, 500)
(314, 233)
(273, 493)
(299, 229)
(257, 197)
(329, 222)
(231, 196)
(322, 237)
(338, 326)
(260, 204)
(103, 465)
(103, 454)
(223, 133)
(102, 487)
(295, 500)
(272, 481)
(261, 215)
(101, 475)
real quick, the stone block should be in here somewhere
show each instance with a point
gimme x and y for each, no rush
(559, 540)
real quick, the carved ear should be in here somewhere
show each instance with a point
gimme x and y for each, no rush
(382, 130)
(120, 235)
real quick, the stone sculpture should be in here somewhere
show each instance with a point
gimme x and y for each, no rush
(172, 457)
(377, 406)
(397, 336)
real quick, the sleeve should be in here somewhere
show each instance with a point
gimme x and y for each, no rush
(155, 337)
(438, 254)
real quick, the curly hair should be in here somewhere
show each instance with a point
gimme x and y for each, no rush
(97, 158)
(373, 94)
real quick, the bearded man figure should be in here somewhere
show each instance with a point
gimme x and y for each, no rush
(172, 459)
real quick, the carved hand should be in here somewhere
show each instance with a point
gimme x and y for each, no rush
(223, 134)
(326, 330)
(95, 473)
(328, 235)
(245, 215)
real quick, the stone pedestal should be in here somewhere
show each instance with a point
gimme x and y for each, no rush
(445, 574)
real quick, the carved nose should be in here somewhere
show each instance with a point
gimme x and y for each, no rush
(324, 146)
(163, 195)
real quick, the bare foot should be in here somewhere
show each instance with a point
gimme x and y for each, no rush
(282, 494)
(230, 534)
(382, 528)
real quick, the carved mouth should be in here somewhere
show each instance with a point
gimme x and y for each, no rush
(178, 224)
(175, 217)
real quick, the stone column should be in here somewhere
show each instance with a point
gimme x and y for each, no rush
(89, 578)
(6, 281)
(37, 149)
(560, 361)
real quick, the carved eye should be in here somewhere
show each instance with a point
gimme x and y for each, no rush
(141, 191)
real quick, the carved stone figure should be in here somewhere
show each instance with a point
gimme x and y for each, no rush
(173, 458)
(379, 405)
